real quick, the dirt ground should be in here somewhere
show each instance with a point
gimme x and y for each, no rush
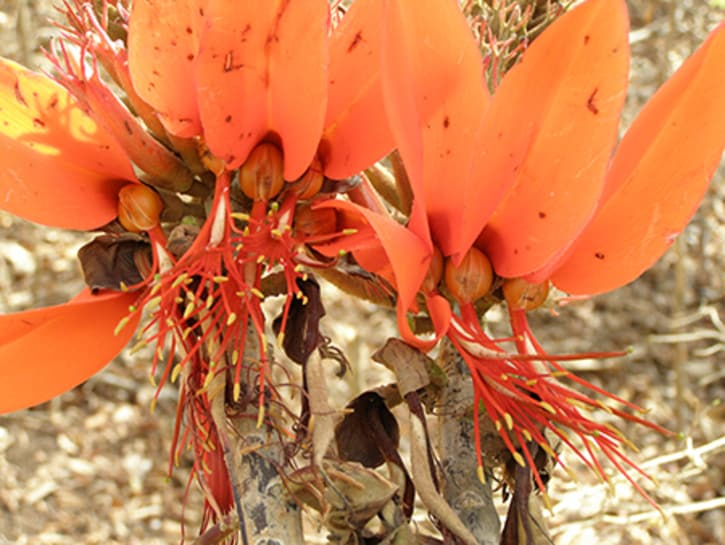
(90, 467)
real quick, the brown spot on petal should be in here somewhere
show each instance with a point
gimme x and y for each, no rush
(18, 94)
(355, 41)
(591, 106)
(599, 255)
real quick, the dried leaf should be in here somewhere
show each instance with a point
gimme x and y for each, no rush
(181, 238)
(369, 433)
(409, 365)
(111, 261)
(322, 420)
(524, 520)
(349, 496)
(302, 330)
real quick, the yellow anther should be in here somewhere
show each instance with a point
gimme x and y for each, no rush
(547, 407)
(121, 324)
(519, 459)
(509, 421)
(179, 280)
(257, 293)
(188, 310)
(236, 392)
(138, 346)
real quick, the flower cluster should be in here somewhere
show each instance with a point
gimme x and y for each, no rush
(244, 156)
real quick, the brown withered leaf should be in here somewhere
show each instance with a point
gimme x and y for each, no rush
(302, 331)
(409, 365)
(110, 261)
(524, 520)
(348, 497)
(181, 238)
(368, 432)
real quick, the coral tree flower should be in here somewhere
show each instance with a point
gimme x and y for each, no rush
(527, 177)
(264, 92)
(292, 81)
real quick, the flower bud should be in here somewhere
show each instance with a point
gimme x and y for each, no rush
(522, 295)
(261, 176)
(310, 222)
(435, 272)
(470, 280)
(310, 183)
(139, 208)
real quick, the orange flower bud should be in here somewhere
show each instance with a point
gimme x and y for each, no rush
(522, 295)
(435, 272)
(261, 175)
(311, 222)
(139, 207)
(310, 183)
(472, 279)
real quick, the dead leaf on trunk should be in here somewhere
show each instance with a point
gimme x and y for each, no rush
(348, 496)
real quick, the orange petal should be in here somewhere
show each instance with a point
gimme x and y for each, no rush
(408, 254)
(356, 130)
(163, 43)
(262, 70)
(658, 176)
(59, 167)
(549, 135)
(440, 313)
(435, 96)
(47, 351)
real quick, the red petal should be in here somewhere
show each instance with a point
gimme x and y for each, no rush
(356, 130)
(58, 167)
(550, 132)
(163, 43)
(47, 351)
(435, 96)
(658, 176)
(263, 69)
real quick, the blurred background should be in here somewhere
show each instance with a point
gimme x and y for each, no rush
(90, 467)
